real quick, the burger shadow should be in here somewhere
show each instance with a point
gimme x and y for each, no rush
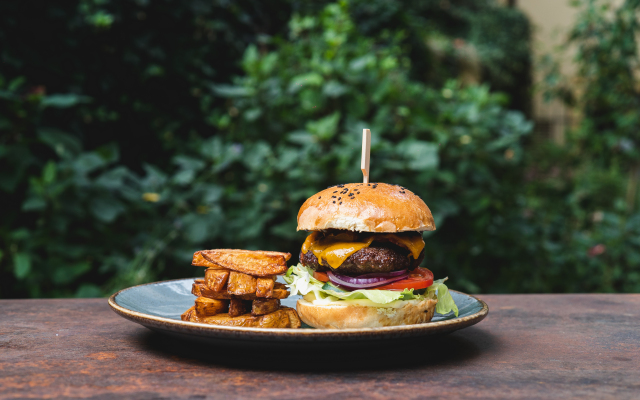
(426, 351)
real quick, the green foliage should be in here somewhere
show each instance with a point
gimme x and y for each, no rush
(475, 40)
(455, 147)
(86, 219)
(80, 168)
(607, 94)
(212, 134)
(586, 191)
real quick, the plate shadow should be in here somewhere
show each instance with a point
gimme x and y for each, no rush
(433, 350)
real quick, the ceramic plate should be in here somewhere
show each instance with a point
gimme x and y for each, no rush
(158, 306)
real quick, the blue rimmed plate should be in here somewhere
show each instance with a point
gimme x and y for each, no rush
(158, 306)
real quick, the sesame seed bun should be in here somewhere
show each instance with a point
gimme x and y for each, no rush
(362, 207)
(348, 316)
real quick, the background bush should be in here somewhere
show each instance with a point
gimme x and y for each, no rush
(136, 133)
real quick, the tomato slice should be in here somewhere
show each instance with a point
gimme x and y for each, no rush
(321, 276)
(419, 278)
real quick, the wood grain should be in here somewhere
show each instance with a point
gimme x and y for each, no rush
(530, 346)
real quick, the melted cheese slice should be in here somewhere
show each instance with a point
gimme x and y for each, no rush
(334, 249)
(414, 244)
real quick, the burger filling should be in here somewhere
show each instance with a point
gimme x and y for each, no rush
(359, 253)
(300, 280)
(373, 269)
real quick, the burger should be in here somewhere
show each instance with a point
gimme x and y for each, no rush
(360, 265)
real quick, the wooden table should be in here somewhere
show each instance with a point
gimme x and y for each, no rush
(530, 346)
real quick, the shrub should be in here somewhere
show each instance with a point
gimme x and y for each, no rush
(289, 125)
(586, 191)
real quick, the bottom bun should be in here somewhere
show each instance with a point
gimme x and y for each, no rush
(339, 316)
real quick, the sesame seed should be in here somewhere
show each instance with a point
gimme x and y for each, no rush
(333, 197)
(339, 198)
(334, 202)
(340, 202)
(319, 197)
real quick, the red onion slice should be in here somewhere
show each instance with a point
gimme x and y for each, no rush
(355, 283)
(382, 274)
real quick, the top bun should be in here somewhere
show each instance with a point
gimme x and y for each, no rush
(365, 207)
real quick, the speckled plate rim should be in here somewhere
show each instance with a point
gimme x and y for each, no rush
(231, 332)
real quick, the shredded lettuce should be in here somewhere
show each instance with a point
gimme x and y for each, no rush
(445, 302)
(300, 280)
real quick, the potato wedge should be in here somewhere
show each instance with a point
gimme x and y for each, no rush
(199, 288)
(264, 306)
(276, 319)
(206, 307)
(294, 319)
(237, 307)
(264, 287)
(258, 263)
(216, 279)
(187, 315)
(200, 261)
(240, 283)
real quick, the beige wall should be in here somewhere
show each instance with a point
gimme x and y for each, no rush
(551, 21)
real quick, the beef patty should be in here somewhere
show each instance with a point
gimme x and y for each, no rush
(379, 257)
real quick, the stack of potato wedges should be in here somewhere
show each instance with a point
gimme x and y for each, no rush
(240, 289)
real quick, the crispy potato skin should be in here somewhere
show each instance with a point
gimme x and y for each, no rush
(265, 287)
(199, 288)
(239, 289)
(256, 263)
(264, 306)
(237, 307)
(216, 279)
(200, 261)
(294, 319)
(240, 283)
(277, 319)
(206, 307)
(187, 315)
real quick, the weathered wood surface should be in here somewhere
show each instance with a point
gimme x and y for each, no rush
(530, 346)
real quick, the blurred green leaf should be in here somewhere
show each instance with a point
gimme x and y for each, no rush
(325, 128)
(301, 81)
(231, 91)
(420, 155)
(49, 173)
(88, 290)
(63, 100)
(70, 273)
(63, 143)
(106, 209)
(21, 265)
(88, 162)
(34, 204)
(195, 228)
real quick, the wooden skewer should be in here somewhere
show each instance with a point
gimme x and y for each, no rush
(366, 149)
